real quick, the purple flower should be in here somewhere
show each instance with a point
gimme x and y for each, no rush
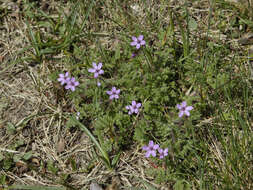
(163, 153)
(71, 84)
(134, 108)
(64, 78)
(184, 109)
(151, 149)
(96, 69)
(98, 83)
(138, 42)
(114, 93)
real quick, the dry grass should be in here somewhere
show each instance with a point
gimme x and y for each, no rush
(28, 100)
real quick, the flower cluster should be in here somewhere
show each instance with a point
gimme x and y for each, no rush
(114, 93)
(97, 70)
(134, 108)
(70, 82)
(151, 150)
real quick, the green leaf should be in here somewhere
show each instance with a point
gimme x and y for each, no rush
(17, 157)
(108, 165)
(115, 160)
(117, 54)
(192, 24)
(11, 129)
(33, 40)
(27, 155)
(2, 179)
(50, 167)
(47, 51)
(19, 143)
(45, 24)
(73, 164)
(7, 163)
(179, 185)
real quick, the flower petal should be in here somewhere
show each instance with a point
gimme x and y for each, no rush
(99, 65)
(151, 144)
(153, 152)
(156, 146)
(94, 65)
(145, 148)
(187, 113)
(143, 43)
(133, 43)
(91, 70)
(188, 108)
(134, 38)
(140, 38)
(111, 97)
(181, 113)
(183, 104)
(147, 154)
(95, 75)
(72, 88)
(76, 83)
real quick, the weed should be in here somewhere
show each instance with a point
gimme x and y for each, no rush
(189, 91)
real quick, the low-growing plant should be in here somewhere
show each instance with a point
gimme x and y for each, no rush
(162, 89)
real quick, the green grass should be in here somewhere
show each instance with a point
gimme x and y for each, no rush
(191, 54)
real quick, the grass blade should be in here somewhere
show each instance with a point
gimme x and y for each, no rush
(94, 140)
